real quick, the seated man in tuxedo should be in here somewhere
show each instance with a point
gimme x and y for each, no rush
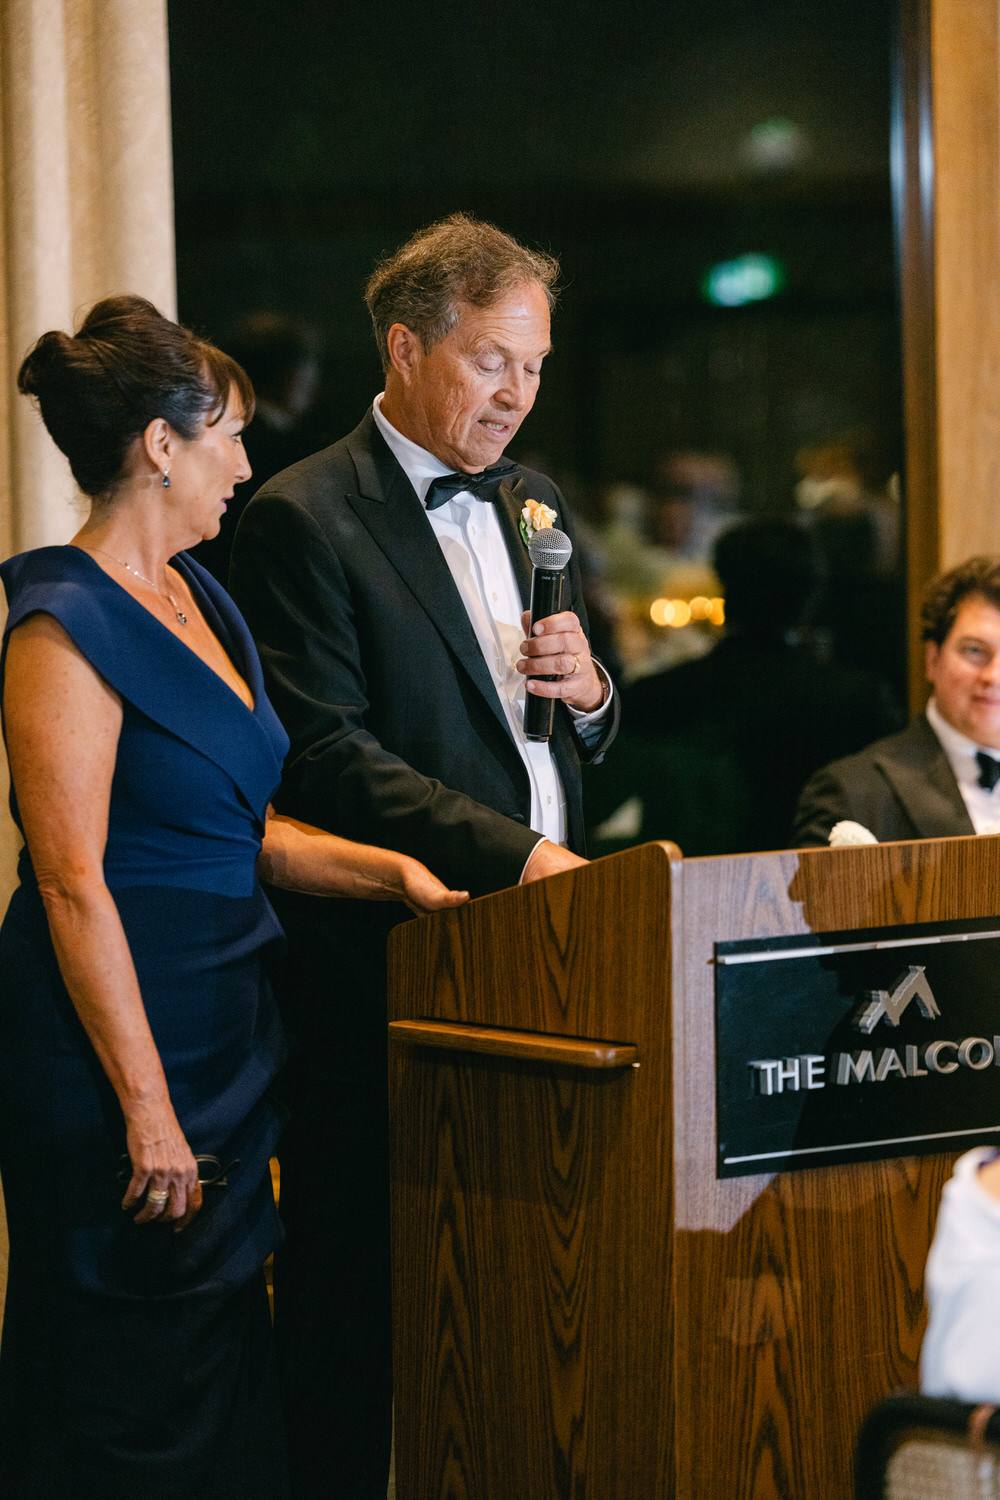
(387, 601)
(938, 777)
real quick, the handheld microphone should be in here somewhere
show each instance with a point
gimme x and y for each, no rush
(550, 550)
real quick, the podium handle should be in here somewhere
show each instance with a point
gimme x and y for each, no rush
(532, 1046)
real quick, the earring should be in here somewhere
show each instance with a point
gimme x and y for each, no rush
(166, 479)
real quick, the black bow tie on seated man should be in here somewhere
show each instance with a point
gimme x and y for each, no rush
(484, 486)
(989, 770)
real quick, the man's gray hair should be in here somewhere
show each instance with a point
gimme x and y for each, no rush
(458, 259)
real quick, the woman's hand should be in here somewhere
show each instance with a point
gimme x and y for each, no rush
(164, 1172)
(422, 891)
(299, 857)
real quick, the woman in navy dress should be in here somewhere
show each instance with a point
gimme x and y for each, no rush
(138, 1037)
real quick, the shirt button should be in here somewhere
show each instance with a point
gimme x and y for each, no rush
(549, 801)
(494, 598)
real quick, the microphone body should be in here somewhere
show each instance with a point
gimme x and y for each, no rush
(550, 550)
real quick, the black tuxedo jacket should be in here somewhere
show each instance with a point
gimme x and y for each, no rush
(398, 736)
(901, 787)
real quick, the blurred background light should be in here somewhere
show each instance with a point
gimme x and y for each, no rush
(776, 145)
(748, 278)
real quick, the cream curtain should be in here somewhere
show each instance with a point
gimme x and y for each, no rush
(87, 210)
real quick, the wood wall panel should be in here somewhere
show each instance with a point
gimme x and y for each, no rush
(946, 177)
(913, 202)
(966, 72)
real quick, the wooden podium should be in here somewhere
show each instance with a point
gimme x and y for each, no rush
(583, 1311)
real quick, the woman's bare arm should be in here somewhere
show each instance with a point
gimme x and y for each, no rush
(299, 857)
(63, 722)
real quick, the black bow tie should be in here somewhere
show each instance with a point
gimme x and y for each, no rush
(989, 770)
(484, 486)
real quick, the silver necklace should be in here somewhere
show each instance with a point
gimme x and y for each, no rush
(181, 616)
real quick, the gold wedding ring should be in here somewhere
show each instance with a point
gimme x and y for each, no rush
(576, 667)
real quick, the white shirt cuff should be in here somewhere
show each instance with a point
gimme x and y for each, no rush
(583, 718)
(527, 862)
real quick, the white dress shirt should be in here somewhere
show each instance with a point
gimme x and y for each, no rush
(473, 546)
(983, 806)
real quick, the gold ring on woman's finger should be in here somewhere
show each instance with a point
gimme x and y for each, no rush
(157, 1195)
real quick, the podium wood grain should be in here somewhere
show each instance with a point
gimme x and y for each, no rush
(583, 1311)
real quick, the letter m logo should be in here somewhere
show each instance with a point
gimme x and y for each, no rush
(912, 984)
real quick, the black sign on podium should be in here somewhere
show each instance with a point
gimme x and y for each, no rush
(852, 1046)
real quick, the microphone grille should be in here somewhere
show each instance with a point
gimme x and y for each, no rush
(550, 548)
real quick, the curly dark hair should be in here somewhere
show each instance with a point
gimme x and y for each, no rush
(458, 259)
(99, 389)
(977, 576)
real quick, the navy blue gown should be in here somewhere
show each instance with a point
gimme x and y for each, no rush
(135, 1361)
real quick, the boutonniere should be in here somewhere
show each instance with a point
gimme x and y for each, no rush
(847, 832)
(535, 517)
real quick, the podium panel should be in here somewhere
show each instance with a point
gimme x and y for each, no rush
(584, 1311)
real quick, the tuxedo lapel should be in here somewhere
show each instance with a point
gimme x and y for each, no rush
(388, 508)
(925, 785)
(510, 501)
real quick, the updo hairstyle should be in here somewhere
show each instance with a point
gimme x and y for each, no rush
(128, 364)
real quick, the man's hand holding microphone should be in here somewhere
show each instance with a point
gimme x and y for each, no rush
(557, 663)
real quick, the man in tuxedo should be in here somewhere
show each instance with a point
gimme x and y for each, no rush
(938, 777)
(385, 580)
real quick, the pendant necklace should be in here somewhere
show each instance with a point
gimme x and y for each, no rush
(181, 616)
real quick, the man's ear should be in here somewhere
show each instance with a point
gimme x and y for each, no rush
(404, 349)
